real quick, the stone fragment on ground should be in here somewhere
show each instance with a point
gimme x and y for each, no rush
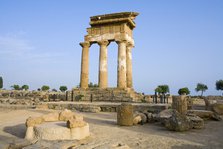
(218, 108)
(205, 114)
(195, 121)
(32, 121)
(164, 115)
(72, 123)
(139, 118)
(177, 122)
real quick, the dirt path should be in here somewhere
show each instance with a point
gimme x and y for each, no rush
(106, 134)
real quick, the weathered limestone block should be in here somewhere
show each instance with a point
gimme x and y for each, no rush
(125, 114)
(180, 103)
(137, 119)
(50, 131)
(30, 122)
(79, 133)
(51, 117)
(66, 115)
(205, 114)
(196, 122)
(177, 122)
(72, 123)
(142, 116)
(78, 117)
(218, 108)
(150, 117)
(164, 115)
(29, 133)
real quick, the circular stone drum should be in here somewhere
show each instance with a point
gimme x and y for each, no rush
(56, 131)
(125, 114)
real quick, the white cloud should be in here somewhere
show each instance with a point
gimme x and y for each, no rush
(16, 47)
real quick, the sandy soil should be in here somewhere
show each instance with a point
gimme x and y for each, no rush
(106, 134)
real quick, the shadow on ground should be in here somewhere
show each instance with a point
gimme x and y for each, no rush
(17, 130)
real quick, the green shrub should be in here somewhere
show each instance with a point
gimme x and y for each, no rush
(184, 90)
(15, 87)
(219, 85)
(45, 88)
(63, 88)
(25, 87)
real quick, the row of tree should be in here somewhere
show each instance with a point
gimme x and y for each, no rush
(43, 88)
(164, 89)
(161, 89)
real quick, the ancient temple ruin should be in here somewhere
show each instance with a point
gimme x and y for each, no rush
(117, 27)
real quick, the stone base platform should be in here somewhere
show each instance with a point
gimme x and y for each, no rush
(108, 94)
(104, 106)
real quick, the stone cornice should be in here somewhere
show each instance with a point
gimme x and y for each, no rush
(122, 17)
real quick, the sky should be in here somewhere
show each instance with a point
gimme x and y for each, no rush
(178, 43)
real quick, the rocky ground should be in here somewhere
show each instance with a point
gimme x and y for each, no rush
(106, 134)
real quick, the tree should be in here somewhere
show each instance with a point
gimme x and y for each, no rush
(45, 88)
(201, 87)
(95, 85)
(15, 87)
(1, 82)
(162, 89)
(25, 87)
(219, 85)
(90, 85)
(63, 88)
(158, 90)
(184, 90)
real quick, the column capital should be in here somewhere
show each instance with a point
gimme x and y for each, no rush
(103, 42)
(121, 41)
(85, 44)
(130, 45)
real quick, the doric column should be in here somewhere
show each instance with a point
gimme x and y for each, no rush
(103, 71)
(84, 65)
(129, 64)
(121, 83)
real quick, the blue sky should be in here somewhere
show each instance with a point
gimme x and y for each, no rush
(179, 43)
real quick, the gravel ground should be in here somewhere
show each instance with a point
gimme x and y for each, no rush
(106, 134)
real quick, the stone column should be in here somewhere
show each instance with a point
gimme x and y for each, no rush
(103, 71)
(125, 114)
(180, 103)
(121, 83)
(129, 65)
(84, 65)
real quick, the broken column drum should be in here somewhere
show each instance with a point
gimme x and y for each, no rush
(125, 114)
(180, 103)
(117, 27)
